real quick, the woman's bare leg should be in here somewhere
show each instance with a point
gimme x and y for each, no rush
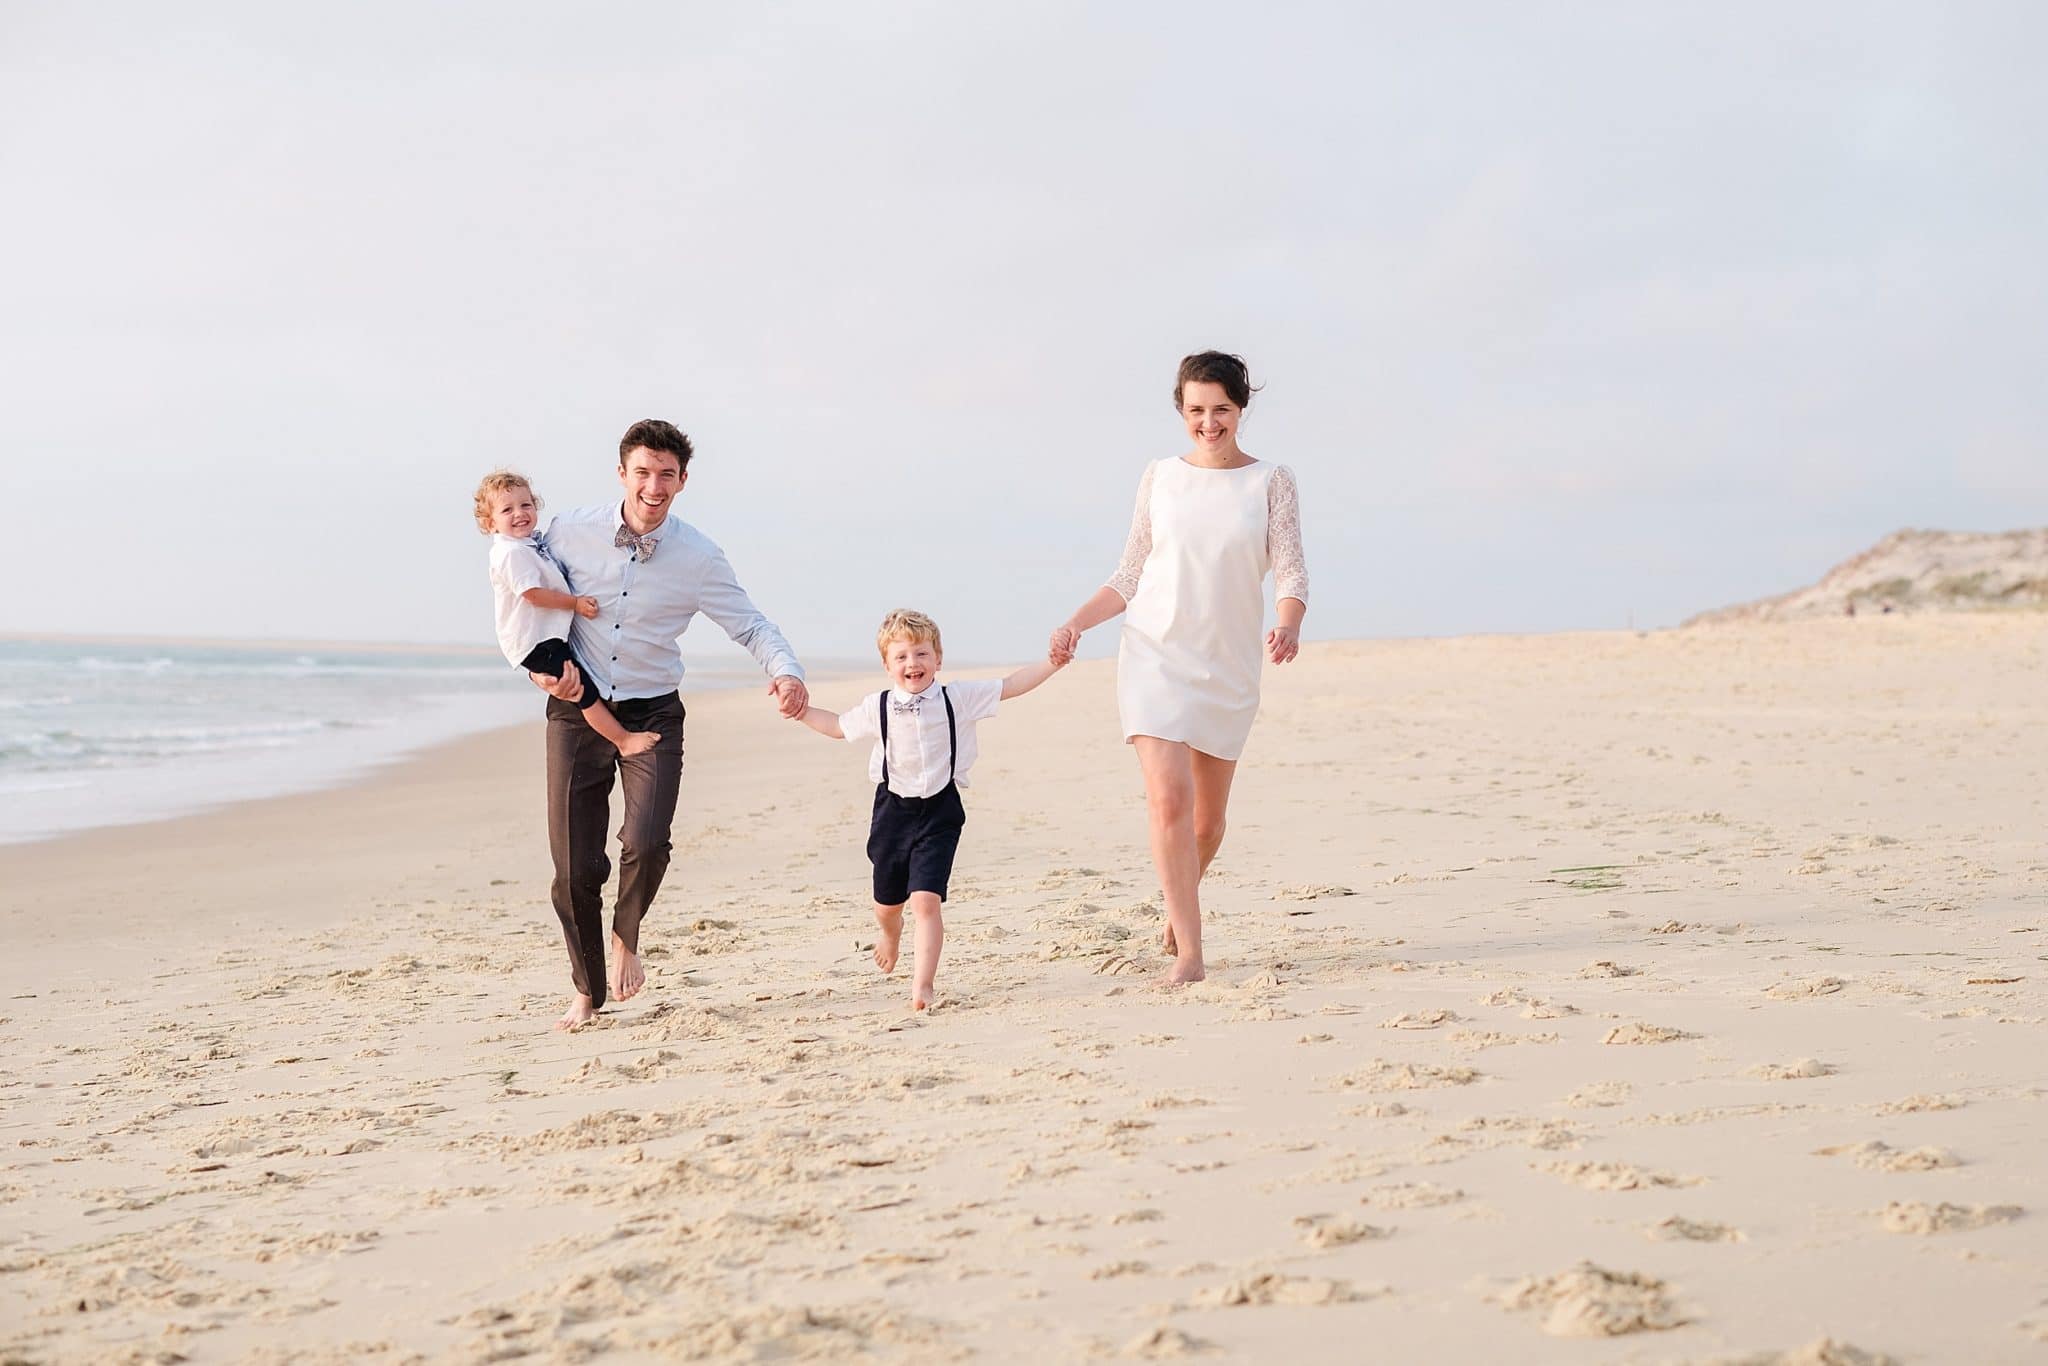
(1170, 808)
(1212, 799)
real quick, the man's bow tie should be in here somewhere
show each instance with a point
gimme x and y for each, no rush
(643, 546)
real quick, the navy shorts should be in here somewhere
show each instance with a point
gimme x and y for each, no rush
(911, 842)
(549, 656)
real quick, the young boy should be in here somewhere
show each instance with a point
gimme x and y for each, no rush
(923, 748)
(533, 601)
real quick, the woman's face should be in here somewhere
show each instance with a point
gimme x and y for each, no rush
(1211, 417)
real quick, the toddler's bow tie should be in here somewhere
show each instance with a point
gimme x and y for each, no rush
(643, 546)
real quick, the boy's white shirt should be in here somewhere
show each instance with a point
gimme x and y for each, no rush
(516, 566)
(917, 738)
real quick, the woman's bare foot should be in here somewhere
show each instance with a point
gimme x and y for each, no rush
(891, 942)
(921, 998)
(627, 976)
(639, 742)
(1183, 972)
(577, 1015)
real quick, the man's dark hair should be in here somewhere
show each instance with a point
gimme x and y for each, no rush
(656, 435)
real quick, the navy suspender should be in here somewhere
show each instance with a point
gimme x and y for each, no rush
(952, 736)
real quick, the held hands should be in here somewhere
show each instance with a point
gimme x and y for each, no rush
(586, 606)
(1060, 649)
(1282, 644)
(792, 698)
(569, 687)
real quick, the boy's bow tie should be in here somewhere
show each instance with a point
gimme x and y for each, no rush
(901, 708)
(643, 546)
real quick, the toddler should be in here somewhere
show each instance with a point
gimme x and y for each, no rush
(533, 598)
(923, 733)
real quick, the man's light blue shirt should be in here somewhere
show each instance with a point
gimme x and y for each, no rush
(632, 647)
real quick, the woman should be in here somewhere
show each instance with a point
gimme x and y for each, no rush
(1208, 526)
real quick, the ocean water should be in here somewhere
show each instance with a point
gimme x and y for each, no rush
(95, 735)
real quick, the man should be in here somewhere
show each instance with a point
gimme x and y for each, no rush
(650, 573)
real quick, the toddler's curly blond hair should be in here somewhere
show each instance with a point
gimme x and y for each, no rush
(904, 624)
(497, 481)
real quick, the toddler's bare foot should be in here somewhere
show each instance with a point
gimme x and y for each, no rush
(1183, 972)
(921, 998)
(577, 1015)
(627, 975)
(639, 742)
(891, 941)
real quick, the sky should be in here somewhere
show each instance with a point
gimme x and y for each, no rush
(1567, 316)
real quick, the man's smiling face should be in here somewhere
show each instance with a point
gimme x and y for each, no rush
(651, 479)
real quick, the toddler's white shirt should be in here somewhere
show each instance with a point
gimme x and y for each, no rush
(516, 566)
(917, 737)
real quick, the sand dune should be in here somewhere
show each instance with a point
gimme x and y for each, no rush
(1681, 989)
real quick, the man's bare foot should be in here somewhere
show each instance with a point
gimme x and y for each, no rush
(627, 976)
(1182, 973)
(921, 998)
(577, 1015)
(891, 942)
(639, 742)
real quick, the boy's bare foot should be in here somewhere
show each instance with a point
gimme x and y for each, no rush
(627, 976)
(639, 742)
(891, 942)
(577, 1015)
(921, 998)
(1166, 942)
(1182, 973)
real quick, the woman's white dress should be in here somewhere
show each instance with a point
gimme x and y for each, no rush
(1193, 572)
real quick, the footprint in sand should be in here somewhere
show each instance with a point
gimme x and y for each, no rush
(1165, 1342)
(1598, 1094)
(1419, 1019)
(1805, 988)
(1614, 1176)
(1382, 1075)
(1592, 1302)
(1323, 1230)
(1913, 1216)
(1819, 1352)
(1607, 967)
(1270, 1287)
(1411, 1195)
(1913, 1105)
(1678, 1229)
(1882, 1157)
(1800, 1070)
(1645, 1033)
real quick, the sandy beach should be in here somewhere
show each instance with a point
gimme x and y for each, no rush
(1623, 997)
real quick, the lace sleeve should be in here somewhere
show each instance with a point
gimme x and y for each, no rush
(1138, 545)
(1283, 537)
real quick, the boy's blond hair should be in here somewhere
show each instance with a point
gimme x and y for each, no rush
(497, 481)
(904, 624)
